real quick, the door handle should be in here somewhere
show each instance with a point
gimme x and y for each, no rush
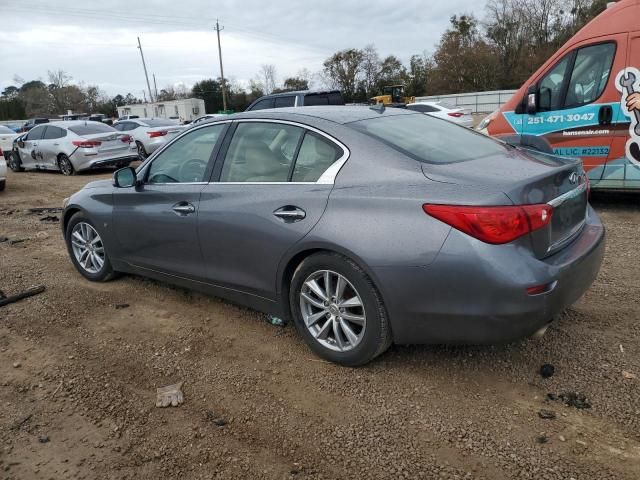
(605, 115)
(183, 208)
(290, 213)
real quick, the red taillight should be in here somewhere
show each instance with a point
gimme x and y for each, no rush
(125, 139)
(494, 225)
(157, 133)
(86, 143)
(1, 153)
(455, 114)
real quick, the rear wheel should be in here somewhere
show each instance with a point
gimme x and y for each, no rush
(14, 163)
(142, 153)
(86, 249)
(338, 311)
(65, 165)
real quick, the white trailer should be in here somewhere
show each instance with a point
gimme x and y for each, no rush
(186, 109)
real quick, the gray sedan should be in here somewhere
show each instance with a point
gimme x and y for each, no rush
(364, 227)
(72, 146)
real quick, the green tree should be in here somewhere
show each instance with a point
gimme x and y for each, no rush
(343, 69)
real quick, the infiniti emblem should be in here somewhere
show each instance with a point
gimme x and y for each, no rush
(573, 178)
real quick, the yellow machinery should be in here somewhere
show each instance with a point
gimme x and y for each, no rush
(392, 95)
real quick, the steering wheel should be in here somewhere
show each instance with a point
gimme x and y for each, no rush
(192, 170)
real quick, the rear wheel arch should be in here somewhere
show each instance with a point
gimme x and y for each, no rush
(295, 260)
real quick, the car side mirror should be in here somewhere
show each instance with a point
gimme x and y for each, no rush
(532, 100)
(21, 143)
(125, 178)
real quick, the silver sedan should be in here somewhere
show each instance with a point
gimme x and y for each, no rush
(73, 146)
(149, 134)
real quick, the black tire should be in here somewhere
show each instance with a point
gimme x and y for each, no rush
(142, 153)
(14, 162)
(105, 273)
(65, 165)
(376, 336)
(3, 184)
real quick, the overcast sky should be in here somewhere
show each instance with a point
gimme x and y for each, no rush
(95, 42)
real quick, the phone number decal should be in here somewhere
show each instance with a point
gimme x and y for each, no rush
(569, 117)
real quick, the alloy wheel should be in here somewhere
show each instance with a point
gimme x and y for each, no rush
(65, 166)
(142, 153)
(332, 310)
(87, 247)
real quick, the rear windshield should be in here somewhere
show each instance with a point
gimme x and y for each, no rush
(159, 123)
(429, 139)
(5, 130)
(91, 128)
(449, 106)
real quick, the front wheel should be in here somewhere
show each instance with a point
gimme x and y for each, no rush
(14, 163)
(338, 311)
(65, 165)
(86, 249)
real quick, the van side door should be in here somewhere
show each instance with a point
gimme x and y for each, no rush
(576, 106)
(623, 167)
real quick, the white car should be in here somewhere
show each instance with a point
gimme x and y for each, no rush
(6, 144)
(442, 110)
(149, 134)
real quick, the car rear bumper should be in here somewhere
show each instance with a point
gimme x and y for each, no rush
(84, 162)
(475, 293)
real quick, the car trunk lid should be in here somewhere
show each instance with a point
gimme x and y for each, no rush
(528, 178)
(110, 143)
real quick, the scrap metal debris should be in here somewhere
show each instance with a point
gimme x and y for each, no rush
(45, 210)
(547, 414)
(169, 395)
(29, 292)
(215, 419)
(120, 306)
(18, 240)
(571, 399)
(50, 218)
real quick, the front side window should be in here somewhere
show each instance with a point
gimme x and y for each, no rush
(54, 132)
(428, 139)
(551, 86)
(36, 133)
(590, 74)
(261, 152)
(315, 156)
(186, 159)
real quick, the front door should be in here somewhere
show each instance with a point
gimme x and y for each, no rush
(156, 223)
(270, 192)
(576, 111)
(30, 155)
(49, 146)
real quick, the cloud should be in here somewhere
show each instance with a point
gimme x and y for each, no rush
(96, 43)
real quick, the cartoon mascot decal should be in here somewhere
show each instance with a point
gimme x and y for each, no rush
(628, 83)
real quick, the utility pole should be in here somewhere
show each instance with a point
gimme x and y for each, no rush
(155, 86)
(224, 88)
(144, 65)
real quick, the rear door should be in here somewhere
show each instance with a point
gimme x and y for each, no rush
(156, 224)
(269, 190)
(576, 107)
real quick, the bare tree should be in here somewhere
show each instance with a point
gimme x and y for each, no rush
(267, 76)
(370, 69)
(342, 69)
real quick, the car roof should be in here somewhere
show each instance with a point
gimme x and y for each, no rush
(297, 92)
(73, 123)
(333, 113)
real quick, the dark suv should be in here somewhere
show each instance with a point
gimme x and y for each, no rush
(32, 122)
(302, 98)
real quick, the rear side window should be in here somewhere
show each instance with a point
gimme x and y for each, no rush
(281, 102)
(590, 74)
(261, 152)
(54, 132)
(315, 156)
(429, 139)
(423, 108)
(263, 104)
(91, 129)
(316, 99)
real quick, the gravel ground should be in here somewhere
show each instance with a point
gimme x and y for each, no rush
(78, 378)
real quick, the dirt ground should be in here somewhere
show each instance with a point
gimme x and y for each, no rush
(78, 374)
